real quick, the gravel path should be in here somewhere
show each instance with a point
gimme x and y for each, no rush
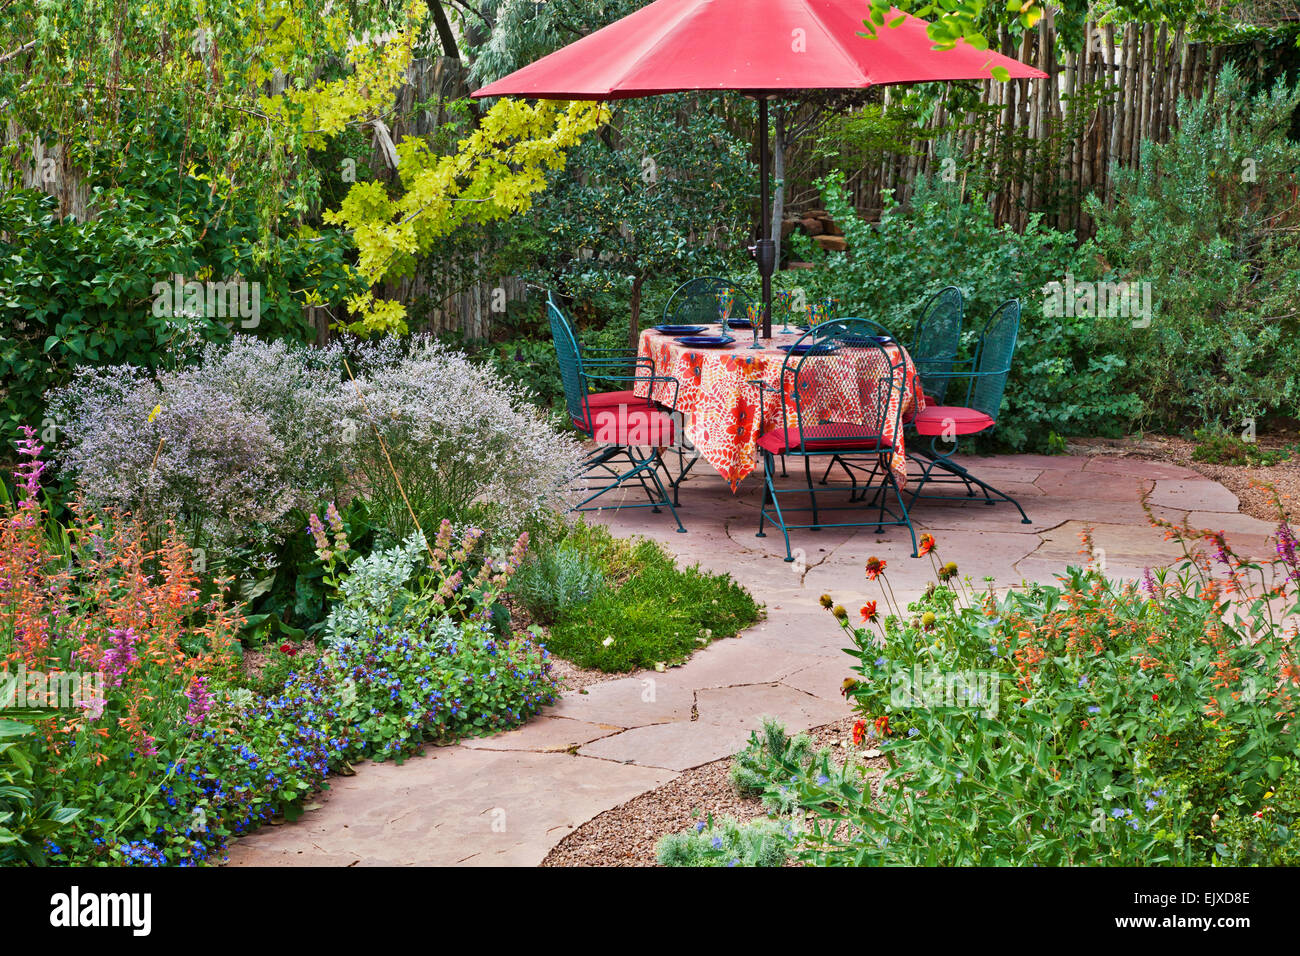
(626, 835)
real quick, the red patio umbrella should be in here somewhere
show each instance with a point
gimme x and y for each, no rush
(762, 48)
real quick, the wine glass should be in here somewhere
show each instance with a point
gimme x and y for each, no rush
(786, 298)
(726, 299)
(754, 312)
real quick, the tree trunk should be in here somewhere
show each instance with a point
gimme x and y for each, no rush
(443, 26)
(778, 181)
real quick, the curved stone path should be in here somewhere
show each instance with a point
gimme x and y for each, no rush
(507, 800)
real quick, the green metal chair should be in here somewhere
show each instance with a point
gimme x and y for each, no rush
(876, 329)
(695, 302)
(624, 430)
(804, 434)
(936, 342)
(945, 425)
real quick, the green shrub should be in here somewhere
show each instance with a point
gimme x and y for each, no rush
(657, 614)
(30, 821)
(1221, 447)
(1090, 723)
(725, 842)
(1064, 374)
(1271, 835)
(1209, 220)
(557, 582)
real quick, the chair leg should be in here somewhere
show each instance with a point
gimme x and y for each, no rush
(807, 471)
(663, 492)
(907, 518)
(768, 466)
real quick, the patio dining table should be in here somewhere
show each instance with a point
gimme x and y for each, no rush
(720, 406)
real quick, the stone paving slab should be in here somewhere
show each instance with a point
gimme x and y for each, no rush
(545, 734)
(1194, 494)
(635, 732)
(464, 806)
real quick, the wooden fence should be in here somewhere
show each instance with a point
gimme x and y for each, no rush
(1042, 145)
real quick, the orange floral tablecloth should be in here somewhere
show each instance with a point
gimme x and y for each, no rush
(721, 410)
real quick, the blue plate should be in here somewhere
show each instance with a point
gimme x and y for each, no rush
(680, 329)
(818, 349)
(740, 323)
(706, 341)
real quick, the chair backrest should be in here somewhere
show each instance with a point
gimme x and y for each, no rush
(937, 339)
(696, 302)
(570, 359)
(834, 346)
(996, 346)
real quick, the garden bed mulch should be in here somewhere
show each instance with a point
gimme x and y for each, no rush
(626, 835)
(1256, 502)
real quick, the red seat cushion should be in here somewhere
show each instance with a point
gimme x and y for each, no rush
(828, 436)
(950, 420)
(626, 424)
(605, 399)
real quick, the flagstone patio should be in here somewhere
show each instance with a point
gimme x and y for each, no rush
(509, 799)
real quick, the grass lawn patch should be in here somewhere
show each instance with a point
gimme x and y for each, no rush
(618, 605)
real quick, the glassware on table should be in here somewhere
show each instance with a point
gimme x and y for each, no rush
(754, 312)
(726, 299)
(818, 312)
(786, 299)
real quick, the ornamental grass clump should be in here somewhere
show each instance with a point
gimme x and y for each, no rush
(1091, 722)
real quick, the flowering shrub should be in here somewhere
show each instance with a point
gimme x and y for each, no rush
(1091, 722)
(236, 445)
(160, 758)
(465, 445)
(125, 632)
(241, 445)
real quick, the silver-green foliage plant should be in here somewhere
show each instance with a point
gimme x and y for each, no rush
(727, 842)
(556, 581)
(465, 444)
(234, 445)
(1209, 220)
(758, 770)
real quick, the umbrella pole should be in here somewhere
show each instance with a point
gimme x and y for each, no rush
(765, 248)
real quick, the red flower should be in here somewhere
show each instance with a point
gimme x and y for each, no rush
(1155, 696)
(859, 732)
(288, 649)
(868, 612)
(743, 423)
(927, 545)
(875, 567)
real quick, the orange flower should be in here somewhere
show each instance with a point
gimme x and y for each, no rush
(927, 544)
(875, 568)
(859, 732)
(868, 612)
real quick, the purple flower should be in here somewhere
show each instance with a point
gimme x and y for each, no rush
(120, 655)
(1149, 584)
(200, 699)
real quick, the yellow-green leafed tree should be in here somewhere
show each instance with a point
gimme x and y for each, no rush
(495, 172)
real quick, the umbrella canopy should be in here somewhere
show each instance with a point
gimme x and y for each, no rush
(759, 47)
